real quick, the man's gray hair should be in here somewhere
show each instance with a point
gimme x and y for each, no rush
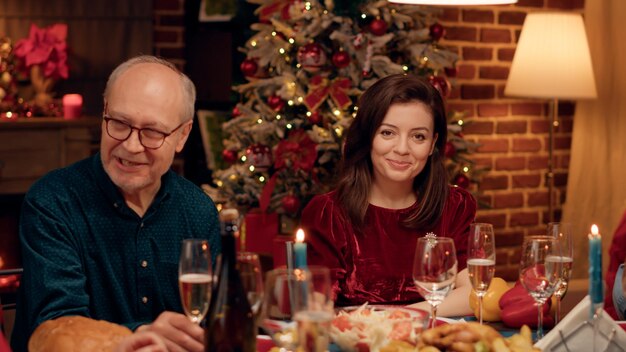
(189, 90)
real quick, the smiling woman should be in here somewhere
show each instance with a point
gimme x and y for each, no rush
(392, 190)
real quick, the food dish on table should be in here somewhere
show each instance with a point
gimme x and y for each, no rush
(370, 327)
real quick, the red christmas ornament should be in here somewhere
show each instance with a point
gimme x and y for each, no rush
(311, 57)
(449, 150)
(290, 203)
(236, 112)
(442, 85)
(229, 156)
(437, 31)
(378, 27)
(275, 102)
(249, 67)
(461, 180)
(260, 156)
(341, 59)
(315, 117)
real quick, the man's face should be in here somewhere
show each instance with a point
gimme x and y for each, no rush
(145, 96)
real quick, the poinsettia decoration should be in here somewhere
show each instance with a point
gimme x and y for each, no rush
(47, 48)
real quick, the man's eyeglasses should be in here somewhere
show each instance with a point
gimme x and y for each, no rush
(149, 138)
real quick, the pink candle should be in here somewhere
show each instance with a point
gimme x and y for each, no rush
(72, 106)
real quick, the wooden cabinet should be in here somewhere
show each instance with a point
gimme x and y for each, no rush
(31, 147)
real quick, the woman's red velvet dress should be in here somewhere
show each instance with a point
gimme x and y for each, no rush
(376, 265)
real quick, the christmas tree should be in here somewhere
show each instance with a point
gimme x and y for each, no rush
(306, 66)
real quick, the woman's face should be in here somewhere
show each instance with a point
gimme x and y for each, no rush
(402, 144)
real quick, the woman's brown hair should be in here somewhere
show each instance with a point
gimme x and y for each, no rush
(355, 178)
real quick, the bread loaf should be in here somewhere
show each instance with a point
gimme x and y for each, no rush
(77, 333)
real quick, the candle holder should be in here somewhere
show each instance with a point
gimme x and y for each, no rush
(580, 332)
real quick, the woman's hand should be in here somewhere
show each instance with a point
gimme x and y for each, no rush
(177, 331)
(144, 341)
(457, 302)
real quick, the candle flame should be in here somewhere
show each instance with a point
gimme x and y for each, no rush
(300, 236)
(594, 230)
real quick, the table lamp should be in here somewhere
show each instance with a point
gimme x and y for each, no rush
(552, 61)
(453, 2)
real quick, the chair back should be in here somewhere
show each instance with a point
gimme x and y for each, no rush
(9, 283)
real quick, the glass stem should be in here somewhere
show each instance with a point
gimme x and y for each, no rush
(540, 321)
(557, 313)
(480, 309)
(433, 316)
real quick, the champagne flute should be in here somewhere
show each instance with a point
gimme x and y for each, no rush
(564, 260)
(481, 260)
(538, 274)
(314, 312)
(195, 278)
(249, 267)
(434, 270)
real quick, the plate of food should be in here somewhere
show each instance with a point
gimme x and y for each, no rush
(377, 328)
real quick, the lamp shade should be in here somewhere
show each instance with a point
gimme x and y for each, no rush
(453, 2)
(552, 59)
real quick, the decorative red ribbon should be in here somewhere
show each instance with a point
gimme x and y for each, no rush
(266, 11)
(266, 193)
(321, 87)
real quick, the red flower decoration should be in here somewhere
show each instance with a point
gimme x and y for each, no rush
(45, 47)
(298, 152)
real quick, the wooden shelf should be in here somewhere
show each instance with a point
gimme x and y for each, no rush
(31, 147)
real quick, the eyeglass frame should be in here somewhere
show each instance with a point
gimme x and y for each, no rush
(106, 117)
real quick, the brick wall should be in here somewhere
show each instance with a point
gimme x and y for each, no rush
(169, 30)
(513, 133)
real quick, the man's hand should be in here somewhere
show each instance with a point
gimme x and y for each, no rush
(177, 331)
(144, 341)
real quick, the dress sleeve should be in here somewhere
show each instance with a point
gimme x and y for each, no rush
(459, 213)
(53, 283)
(326, 228)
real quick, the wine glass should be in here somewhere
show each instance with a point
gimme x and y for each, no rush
(434, 270)
(282, 288)
(249, 267)
(314, 312)
(297, 308)
(565, 259)
(538, 272)
(195, 278)
(481, 260)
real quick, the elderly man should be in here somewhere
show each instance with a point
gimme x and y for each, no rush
(101, 238)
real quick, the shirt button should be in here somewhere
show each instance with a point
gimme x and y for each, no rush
(141, 225)
(115, 205)
(144, 263)
(144, 299)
